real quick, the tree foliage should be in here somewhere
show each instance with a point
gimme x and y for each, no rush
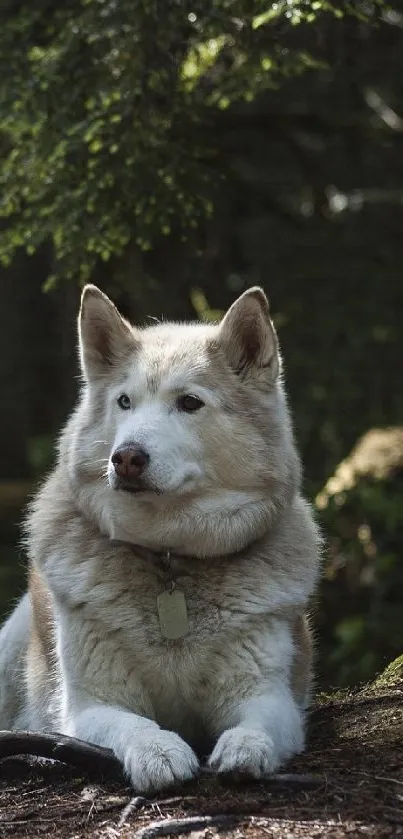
(112, 112)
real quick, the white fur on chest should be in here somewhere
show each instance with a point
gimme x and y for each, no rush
(111, 646)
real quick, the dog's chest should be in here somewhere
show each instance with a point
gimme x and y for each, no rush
(114, 640)
(153, 621)
(160, 605)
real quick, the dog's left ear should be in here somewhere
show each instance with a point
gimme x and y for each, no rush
(248, 336)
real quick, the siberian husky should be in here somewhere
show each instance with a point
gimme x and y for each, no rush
(172, 557)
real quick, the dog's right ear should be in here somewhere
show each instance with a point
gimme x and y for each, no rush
(105, 338)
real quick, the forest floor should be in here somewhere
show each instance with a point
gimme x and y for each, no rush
(349, 783)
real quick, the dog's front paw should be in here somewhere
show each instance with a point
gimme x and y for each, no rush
(158, 760)
(244, 751)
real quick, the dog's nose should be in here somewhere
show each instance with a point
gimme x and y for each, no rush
(130, 461)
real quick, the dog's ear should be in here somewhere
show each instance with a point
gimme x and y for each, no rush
(105, 338)
(249, 338)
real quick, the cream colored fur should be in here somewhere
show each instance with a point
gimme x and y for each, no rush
(222, 494)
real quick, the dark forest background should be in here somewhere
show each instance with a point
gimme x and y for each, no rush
(175, 153)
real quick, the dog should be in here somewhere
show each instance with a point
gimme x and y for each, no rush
(172, 557)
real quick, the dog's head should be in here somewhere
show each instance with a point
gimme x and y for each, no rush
(182, 432)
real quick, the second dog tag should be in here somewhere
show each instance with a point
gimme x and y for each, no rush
(173, 614)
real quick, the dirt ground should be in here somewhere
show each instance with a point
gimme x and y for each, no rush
(349, 783)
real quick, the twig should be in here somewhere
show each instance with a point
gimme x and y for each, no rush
(176, 827)
(134, 804)
(177, 799)
(389, 780)
(77, 753)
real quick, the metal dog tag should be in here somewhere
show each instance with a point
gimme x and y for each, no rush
(173, 614)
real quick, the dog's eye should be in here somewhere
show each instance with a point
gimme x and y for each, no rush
(124, 402)
(189, 403)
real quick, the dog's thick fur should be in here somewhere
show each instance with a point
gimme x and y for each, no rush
(221, 493)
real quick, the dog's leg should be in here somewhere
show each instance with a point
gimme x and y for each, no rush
(152, 757)
(265, 731)
(14, 637)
